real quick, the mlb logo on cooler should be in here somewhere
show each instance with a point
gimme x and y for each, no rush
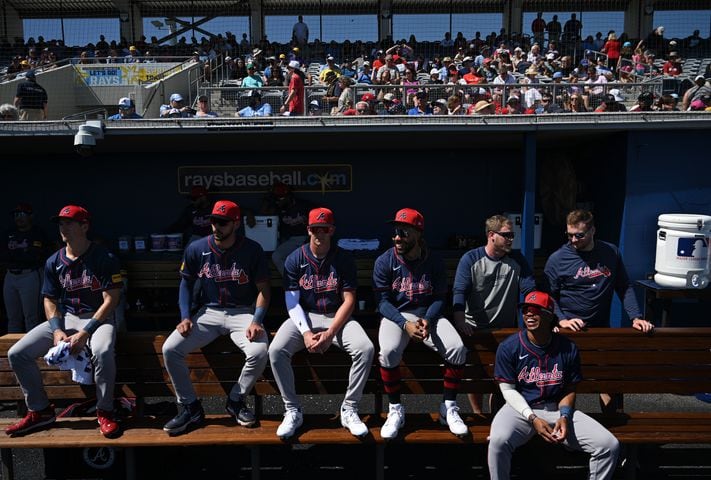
(692, 247)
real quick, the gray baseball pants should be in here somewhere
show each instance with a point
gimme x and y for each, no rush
(510, 430)
(21, 292)
(209, 324)
(352, 339)
(39, 340)
(443, 339)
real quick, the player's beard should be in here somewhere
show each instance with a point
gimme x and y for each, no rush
(223, 233)
(405, 246)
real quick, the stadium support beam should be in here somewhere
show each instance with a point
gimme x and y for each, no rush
(130, 19)
(639, 17)
(513, 16)
(385, 19)
(11, 23)
(256, 21)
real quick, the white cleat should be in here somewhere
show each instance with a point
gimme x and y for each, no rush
(293, 419)
(394, 422)
(450, 416)
(351, 421)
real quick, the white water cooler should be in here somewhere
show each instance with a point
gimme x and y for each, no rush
(683, 251)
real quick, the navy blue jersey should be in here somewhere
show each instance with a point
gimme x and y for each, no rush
(410, 285)
(293, 218)
(540, 374)
(228, 278)
(25, 249)
(583, 283)
(320, 283)
(78, 285)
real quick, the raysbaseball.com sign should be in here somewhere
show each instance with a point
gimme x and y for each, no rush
(259, 178)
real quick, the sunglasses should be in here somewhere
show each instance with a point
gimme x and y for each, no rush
(319, 230)
(507, 235)
(401, 232)
(361, 111)
(532, 310)
(579, 235)
(219, 222)
(20, 214)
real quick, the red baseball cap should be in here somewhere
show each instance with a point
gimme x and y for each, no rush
(72, 212)
(410, 217)
(368, 97)
(197, 192)
(321, 217)
(226, 210)
(541, 300)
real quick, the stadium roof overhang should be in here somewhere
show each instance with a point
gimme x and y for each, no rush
(111, 8)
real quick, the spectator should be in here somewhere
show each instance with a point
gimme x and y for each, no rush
(294, 103)
(421, 106)
(300, 32)
(176, 108)
(330, 67)
(612, 49)
(611, 102)
(700, 88)
(256, 107)
(573, 28)
(656, 42)
(253, 79)
(645, 101)
(8, 113)
(538, 27)
(392, 105)
(673, 66)
(554, 29)
(126, 110)
(504, 77)
(31, 99)
(203, 110)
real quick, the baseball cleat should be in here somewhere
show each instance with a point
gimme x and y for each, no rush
(351, 421)
(449, 415)
(293, 419)
(395, 421)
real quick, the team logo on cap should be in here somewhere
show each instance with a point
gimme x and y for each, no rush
(66, 211)
(532, 297)
(403, 216)
(321, 216)
(221, 209)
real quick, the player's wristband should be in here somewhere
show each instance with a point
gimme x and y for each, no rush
(91, 326)
(259, 314)
(566, 412)
(532, 417)
(56, 323)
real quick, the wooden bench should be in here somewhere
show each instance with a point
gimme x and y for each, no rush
(672, 360)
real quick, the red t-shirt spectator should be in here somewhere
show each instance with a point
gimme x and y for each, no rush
(612, 48)
(296, 104)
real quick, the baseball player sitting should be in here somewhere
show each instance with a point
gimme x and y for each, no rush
(233, 275)
(411, 285)
(320, 292)
(537, 371)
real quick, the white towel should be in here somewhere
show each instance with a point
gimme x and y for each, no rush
(80, 364)
(358, 244)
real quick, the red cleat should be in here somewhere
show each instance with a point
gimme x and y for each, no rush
(108, 426)
(32, 421)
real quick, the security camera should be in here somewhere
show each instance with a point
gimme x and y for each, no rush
(85, 138)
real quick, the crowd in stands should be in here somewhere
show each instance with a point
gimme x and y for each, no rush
(554, 70)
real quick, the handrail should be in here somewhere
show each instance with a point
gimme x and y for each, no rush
(83, 115)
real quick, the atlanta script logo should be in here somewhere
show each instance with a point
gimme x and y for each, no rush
(85, 281)
(587, 272)
(412, 288)
(541, 379)
(231, 274)
(319, 284)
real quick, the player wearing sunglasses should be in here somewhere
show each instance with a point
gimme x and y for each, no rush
(410, 284)
(582, 275)
(488, 283)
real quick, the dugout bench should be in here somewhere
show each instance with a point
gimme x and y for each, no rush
(672, 360)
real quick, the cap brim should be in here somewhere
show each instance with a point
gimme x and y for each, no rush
(57, 218)
(396, 222)
(549, 312)
(221, 217)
